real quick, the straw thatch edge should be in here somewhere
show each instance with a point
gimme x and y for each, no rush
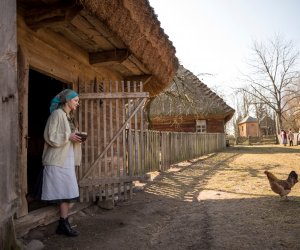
(213, 105)
(136, 24)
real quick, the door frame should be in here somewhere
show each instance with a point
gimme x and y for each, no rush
(23, 80)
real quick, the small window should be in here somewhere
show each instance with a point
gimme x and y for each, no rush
(200, 126)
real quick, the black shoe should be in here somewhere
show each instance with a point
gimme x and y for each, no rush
(65, 228)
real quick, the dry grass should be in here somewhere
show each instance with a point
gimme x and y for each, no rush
(244, 177)
(250, 214)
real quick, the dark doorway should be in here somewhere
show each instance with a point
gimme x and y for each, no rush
(41, 90)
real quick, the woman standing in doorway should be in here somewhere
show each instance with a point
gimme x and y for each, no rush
(62, 152)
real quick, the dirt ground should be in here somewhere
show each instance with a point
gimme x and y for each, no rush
(221, 201)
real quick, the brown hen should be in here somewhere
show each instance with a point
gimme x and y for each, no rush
(282, 187)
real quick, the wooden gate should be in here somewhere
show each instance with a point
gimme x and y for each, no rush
(113, 118)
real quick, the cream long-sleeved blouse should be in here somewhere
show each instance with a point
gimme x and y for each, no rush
(56, 134)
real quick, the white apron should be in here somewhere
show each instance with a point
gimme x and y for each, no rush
(60, 183)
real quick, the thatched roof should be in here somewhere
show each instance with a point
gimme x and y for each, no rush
(111, 25)
(137, 24)
(189, 97)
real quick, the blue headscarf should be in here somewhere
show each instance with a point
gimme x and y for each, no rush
(62, 98)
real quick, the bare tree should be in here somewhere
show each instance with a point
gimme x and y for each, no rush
(271, 80)
(292, 115)
(241, 110)
(245, 101)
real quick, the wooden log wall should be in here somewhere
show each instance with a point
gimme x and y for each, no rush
(187, 125)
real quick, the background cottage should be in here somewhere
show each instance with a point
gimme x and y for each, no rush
(188, 105)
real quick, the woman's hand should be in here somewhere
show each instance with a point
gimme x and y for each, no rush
(75, 138)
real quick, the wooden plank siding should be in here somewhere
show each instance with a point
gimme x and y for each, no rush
(62, 60)
(9, 134)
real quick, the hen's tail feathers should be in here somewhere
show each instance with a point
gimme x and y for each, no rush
(270, 175)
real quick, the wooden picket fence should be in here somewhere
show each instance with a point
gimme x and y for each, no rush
(162, 149)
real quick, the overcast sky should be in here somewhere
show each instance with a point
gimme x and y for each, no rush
(215, 36)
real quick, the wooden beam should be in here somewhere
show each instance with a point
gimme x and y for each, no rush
(49, 15)
(138, 64)
(110, 56)
(118, 95)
